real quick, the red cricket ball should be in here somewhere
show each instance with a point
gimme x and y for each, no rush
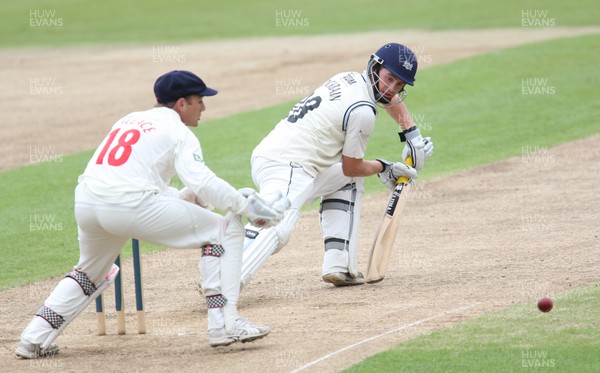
(545, 304)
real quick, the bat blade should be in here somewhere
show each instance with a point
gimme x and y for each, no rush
(381, 250)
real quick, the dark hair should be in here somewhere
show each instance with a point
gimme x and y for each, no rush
(171, 104)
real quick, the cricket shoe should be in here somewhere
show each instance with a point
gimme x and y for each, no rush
(219, 337)
(28, 350)
(344, 279)
(243, 331)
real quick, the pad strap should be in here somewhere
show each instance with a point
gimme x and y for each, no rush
(216, 301)
(83, 280)
(212, 250)
(53, 318)
(336, 204)
(336, 244)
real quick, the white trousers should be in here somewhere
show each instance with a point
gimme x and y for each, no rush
(103, 229)
(301, 188)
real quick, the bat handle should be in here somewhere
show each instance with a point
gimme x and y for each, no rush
(404, 179)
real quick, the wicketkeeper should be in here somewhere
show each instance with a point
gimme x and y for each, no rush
(124, 193)
(318, 151)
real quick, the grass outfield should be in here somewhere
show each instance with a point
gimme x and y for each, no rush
(475, 109)
(515, 339)
(70, 22)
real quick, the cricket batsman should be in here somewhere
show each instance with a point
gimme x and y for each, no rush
(317, 151)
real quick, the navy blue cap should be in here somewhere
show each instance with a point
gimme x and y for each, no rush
(180, 83)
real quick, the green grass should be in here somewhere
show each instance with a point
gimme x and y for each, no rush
(38, 231)
(474, 110)
(71, 22)
(519, 338)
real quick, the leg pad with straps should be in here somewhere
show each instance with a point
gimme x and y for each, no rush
(81, 278)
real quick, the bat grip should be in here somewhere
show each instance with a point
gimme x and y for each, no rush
(404, 179)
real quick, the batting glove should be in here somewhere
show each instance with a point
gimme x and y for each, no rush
(417, 147)
(393, 171)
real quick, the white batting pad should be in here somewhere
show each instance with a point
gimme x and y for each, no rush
(340, 224)
(260, 244)
(108, 279)
(256, 252)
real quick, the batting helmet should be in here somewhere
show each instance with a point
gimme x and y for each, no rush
(398, 59)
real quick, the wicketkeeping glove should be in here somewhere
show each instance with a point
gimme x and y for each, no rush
(392, 171)
(186, 194)
(417, 147)
(264, 212)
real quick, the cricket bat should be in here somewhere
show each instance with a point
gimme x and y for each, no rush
(381, 250)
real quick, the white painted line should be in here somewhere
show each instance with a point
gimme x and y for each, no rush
(406, 326)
